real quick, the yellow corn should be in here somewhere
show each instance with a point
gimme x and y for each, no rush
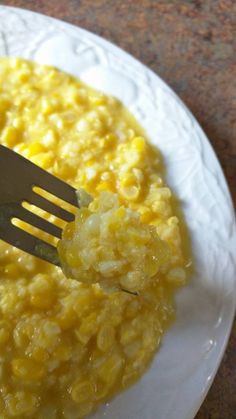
(56, 333)
(11, 136)
(26, 369)
(139, 144)
(105, 337)
(82, 391)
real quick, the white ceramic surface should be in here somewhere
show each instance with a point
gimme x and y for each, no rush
(184, 368)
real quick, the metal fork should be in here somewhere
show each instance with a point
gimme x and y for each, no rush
(18, 177)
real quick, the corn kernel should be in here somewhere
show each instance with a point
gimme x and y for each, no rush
(146, 214)
(105, 186)
(87, 329)
(5, 104)
(177, 276)
(4, 335)
(21, 403)
(42, 301)
(11, 136)
(131, 193)
(23, 75)
(105, 337)
(82, 391)
(35, 148)
(67, 319)
(41, 292)
(139, 144)
(18, 123)
(26, 369)
(62, 353)
(48, 106)
(40, 354)
(109, 370)
(128, 334)
(127, 179)
(101, 390)
(12, 270)
(43, 160)
(49, 139)
(120, 213)
(98, 100)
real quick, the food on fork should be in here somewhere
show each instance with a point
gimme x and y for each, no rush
(109, 245)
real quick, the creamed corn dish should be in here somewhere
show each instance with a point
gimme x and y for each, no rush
(66, 346)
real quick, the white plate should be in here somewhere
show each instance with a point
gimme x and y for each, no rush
(183, 370)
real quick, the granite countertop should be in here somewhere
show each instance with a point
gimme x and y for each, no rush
(191, 44)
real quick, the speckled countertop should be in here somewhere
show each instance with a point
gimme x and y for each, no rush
(192, 46)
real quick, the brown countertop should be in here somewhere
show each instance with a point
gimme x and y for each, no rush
(191, 44)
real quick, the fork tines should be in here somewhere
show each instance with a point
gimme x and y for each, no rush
(18, 180)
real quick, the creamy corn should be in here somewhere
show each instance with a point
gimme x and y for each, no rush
(66, 346)
(109, 245)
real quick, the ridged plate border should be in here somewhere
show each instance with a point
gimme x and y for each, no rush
(183, 370)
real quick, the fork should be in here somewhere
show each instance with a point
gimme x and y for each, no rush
(18, 178)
